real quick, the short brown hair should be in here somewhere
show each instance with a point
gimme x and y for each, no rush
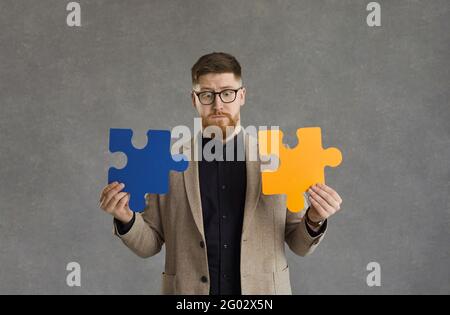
(216, 62)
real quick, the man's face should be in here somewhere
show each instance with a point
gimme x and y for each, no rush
(219, 113)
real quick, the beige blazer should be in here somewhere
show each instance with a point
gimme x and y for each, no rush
(175, 219)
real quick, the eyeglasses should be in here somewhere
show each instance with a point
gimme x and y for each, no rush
(208, 97)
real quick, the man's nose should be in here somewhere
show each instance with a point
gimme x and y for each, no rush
(218, 104)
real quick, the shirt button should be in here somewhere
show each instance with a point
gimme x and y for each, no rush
(225, 276)
(224, 217)
(224, 187)
(225, 246)
(202, 244)
(204, 279)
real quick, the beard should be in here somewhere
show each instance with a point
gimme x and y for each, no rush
(222, 123)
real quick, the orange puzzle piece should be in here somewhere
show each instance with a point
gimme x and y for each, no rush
(299, 167)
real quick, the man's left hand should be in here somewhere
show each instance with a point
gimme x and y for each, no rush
(325, 202)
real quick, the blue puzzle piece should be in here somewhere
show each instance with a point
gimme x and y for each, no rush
(147, 169)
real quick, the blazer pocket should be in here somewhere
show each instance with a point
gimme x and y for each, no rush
(168, 286)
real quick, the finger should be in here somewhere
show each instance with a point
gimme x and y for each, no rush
(108, 188)
(331, 191)
(110, 194)
(101, 201)
(323, 203)
(112, 204)
(318, 208)
(321, 206)
(325, 195)
(123, 202)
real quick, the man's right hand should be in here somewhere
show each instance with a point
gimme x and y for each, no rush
(115, 202)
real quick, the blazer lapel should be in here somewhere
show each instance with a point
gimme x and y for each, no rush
(253, 181)
(192, 185)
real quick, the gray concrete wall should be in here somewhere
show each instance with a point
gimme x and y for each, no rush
(380, 94)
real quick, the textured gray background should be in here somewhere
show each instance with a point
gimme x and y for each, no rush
(380, 94)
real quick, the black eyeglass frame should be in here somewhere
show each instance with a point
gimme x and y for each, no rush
(217, 93)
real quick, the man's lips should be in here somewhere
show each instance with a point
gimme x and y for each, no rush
(218, 116)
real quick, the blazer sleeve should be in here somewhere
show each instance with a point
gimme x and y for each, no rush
(297, 236)
(146, 236)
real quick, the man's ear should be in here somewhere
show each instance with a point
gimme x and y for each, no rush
(243, 96)
(193, 99)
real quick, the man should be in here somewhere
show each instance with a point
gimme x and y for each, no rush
(222, 235)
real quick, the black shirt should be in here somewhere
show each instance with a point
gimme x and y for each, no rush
(222, 189)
